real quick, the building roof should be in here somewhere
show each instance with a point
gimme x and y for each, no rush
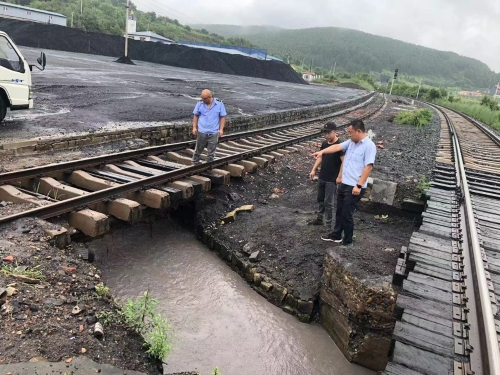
(151, 35)
(9, 5)
(309, 73)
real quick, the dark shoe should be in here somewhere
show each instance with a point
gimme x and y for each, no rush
(330, 238)
(196, 163)
(315, 222)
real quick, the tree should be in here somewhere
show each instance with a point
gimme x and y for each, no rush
(434, 94)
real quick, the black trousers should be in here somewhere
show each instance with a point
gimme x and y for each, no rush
(346, 205)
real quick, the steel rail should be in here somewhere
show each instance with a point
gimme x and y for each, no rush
(68, 205)
(14, 176)
(490, 339)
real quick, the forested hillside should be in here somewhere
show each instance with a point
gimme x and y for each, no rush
(235, 30)
(108, 16)
(356, 51)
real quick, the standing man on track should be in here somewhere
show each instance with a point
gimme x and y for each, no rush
(208, 125)
(359, 158)
(327, 182)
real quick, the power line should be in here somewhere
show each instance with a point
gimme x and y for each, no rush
(185, 15)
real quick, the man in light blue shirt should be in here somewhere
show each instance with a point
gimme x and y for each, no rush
(359, 158)
(208, 125)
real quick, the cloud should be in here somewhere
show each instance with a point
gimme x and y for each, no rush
(469, 28)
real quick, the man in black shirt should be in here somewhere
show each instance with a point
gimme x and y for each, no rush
(327, 186)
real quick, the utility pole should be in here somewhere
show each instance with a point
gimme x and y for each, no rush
(72, 14)
(334, 66)
(126, 29)
(392, 84)
(81, 14)
(420, 85)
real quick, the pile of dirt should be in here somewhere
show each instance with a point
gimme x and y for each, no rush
(51, 305)
(38, 35)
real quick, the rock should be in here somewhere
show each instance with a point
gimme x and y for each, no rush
(257, 279)
(69, 360)
(8, 259)
(265, 286)
(54, 301)
(304, 318)
(76, 310)
(38, 359)
(3, 293)
(288, 310)
(3, 204)
(91, 287)
(254, 257)
(69, 269)
(248, 248)
(21, 317)
(277, 294)
(91, 319)
(34, 308)
(234, 197)
(274, 196)
(84, 350)
(11, 291)
(291, 301)
(262, 201)
(305, 307)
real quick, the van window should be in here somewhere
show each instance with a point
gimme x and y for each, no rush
(9, 58)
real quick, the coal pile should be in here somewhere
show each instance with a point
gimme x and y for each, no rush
(125, 60)
(43, 36)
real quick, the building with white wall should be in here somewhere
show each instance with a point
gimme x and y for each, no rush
(19, 12)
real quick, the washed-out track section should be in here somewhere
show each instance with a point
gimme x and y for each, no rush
(121, 185)
(448, 321)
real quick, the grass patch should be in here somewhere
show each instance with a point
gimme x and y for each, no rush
(33, 273)
(101, 290)
(418, 118)
(483, 113)
(423, 185)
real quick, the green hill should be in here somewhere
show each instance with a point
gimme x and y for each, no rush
(108, 16)
(235, 30)
(356, 51)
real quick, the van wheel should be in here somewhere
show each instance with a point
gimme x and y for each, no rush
(3, 109)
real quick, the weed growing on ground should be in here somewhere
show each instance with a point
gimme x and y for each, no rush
(101, 290)
(33, 273)
(216, 371)
(423, 185)
(109, 317)
(418, 118)
(139, 316)
(158, 339)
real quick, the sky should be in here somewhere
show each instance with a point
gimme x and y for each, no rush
(467, 27)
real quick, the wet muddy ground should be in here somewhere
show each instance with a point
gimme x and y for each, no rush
(78, 93)
(38, 321)
(292, 252)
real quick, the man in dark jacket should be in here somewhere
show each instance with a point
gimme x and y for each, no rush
(327, 186)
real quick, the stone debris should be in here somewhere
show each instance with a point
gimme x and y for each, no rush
(231, 216)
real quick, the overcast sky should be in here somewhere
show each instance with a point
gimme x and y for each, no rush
(468, 27)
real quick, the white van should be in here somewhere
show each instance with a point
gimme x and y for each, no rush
(15, 77)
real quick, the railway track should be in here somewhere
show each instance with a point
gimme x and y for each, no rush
(447, 310)
(156, 177)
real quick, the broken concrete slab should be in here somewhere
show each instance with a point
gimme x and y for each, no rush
(78, 365)
(383, 192)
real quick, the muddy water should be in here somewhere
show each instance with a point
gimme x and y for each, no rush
(217, 319)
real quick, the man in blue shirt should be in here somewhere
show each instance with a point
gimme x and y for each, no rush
(359, 158)
(208, 125)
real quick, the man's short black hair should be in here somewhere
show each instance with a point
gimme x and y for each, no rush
(358, 125)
